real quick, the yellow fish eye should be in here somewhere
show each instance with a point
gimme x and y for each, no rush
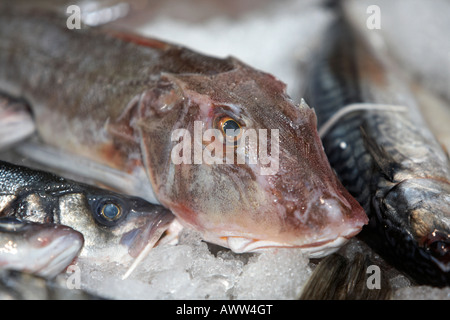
(111, 211)
(230, 128)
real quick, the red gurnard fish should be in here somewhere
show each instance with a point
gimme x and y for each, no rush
(119, 107)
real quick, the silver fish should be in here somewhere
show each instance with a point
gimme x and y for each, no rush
(41, 249)
(115, 227)
(384, 154)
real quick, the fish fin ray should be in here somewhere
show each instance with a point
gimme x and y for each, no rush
(16, 121)
(122, 128)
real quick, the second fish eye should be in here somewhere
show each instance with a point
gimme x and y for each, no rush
(110, 211)
(438, 244)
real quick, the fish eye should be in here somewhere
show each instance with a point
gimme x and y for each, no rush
(438, 244)
(110, 211)
(230, 128)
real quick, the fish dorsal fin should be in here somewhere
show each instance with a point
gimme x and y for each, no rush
(381, 158)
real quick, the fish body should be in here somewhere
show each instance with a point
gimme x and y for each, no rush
(128, 106)
(115, 227)
(42, 249)
(384, 154)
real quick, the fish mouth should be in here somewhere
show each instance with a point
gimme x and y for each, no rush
(147, 233)
(317, 249)
(41, 249)
(141, 240)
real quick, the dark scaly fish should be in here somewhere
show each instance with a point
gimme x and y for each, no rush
(41, 249)
(115, 227)
(384, 154)
(111, 101)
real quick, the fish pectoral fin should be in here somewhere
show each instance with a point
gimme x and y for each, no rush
(144, 107)
(16, 121)
(382, 159)
(122, 128)
(87, 170)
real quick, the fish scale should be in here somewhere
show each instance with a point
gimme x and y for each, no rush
(353, 163)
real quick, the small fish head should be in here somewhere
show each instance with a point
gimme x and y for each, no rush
(244, 165)
(43, 249)
(423, 207)
(115, 227)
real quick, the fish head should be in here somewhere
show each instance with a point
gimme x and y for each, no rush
(423, 205)
(42, 249)
(233, 157)
(115, 227)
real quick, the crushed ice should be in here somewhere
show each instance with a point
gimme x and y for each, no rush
(192, 269)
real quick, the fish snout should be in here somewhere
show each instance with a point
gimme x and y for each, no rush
(58, 246)
(321, 222)
(43, 249)
(317, 220)
(314, 209)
